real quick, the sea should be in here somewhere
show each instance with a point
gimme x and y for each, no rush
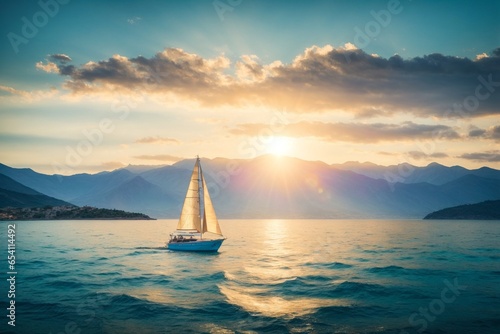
(269, 276)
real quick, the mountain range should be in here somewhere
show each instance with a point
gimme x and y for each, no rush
(14, 194)
(274, 187)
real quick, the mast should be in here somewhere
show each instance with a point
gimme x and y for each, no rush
(202, 205)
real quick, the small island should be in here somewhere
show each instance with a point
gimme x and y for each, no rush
(488, 210)
(68, 213)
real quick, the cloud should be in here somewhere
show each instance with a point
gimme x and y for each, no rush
(13, 91)
(134, 20)
(49, 67)
(476, 132)
(159, 157)
(419, 155)
(52, 63)
(352, 132)
(60, 57)
(249, 69)
(156, 140)
(24, 96)
(318, 80)
(488, 156)
(492, 132)
(169, 71)
(481, 56)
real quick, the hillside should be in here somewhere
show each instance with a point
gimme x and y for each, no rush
(68, 213)
(14, 194)
(487, 210)
(18, 202)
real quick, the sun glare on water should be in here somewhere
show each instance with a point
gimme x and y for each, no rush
(280, 146)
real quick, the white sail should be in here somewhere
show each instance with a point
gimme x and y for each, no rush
(210, 223)
(190, 216)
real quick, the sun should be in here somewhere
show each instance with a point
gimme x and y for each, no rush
(279, 146)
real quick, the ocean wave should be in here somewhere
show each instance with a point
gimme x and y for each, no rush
(274, 306)
(127, 306)
(334, 312)
(213, 277)
(400, 271)
(38, 310)
(162, 248)
(329, 265)
(132, 280)
(369, 291)
(73, 284)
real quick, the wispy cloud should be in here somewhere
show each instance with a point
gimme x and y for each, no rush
(25, 96)
(134, 20)
(13, 91)
(49, 67)
(488, 156)
(156, 140)
(354, 132)
(419, 155)
(159, 157)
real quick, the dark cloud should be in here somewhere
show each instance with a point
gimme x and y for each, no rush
(490, 133)
(60, 57)
(489, 156)
(352, 132)
(435, 85)
(495, 132)
(170, 71)
(476, 132)
(320, 79)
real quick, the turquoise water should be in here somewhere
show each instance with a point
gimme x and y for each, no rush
(270, 276)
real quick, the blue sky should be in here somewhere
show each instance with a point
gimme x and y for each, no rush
(42, 112)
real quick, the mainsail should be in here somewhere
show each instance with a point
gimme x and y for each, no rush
(190, 216)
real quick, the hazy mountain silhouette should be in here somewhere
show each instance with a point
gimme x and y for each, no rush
(14, 194)
(433, 173)
(276, 187)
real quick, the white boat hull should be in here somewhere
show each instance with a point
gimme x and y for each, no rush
(196, 245)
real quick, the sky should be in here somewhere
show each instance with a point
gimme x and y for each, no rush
(87, 86)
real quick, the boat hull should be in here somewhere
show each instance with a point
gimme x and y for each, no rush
(196, 246)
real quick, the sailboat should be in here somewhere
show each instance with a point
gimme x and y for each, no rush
(197, 218)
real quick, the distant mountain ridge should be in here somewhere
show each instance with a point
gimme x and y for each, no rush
(433, 173)
(275, 187)
(15, 194)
